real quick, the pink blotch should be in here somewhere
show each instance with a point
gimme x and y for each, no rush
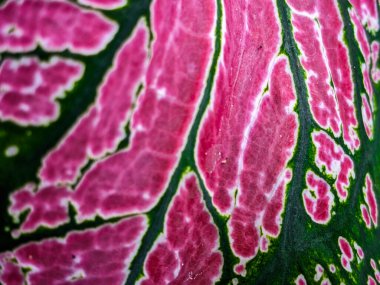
(322, 100)
(359, 251)
(371, 281)
(261, 195)
(377, 276)
(317, 198)
(325, 282)
(319, 268)
(361, 37)
(133, 180)
(375, 72)
(345, 263)
(24, 24)
(300, 280)
(373, 264)
(10, 271)
(29, 88)
(370, 199)
(337, 55)
(47, 207)
(80, 252)
(101, 128)
(331, 26)
(368, 13)
(264, 244)
(250, 48)
(367, 117)
(336, 163)
(318, 272)
(240, 269)
(345, 248)
(187, 252)
(365, 215)
(332, 268)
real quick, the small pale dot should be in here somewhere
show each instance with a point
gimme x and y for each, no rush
(11, 151)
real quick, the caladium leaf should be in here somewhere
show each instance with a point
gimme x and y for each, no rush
(189, 142)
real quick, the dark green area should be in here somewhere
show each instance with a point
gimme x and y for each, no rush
(301, 245)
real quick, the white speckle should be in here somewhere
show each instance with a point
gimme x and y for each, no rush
(322, 105)
(319, 272)
(11, 151)
(77, 275)
(37, 82)
(24, 107)
(311, 73)
(161, 93)
(339, 71)
(146, 196)
(332, 268)
(140, 128)
(335, 166)
(12, 30)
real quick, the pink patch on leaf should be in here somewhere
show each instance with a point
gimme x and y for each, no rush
(133, 180)
(371, 281)
(367, 116)
(331, 27)
(250, 46)
(365, 215)
(336, 163)
(322, 99)
(240, 269)
(359, 251)
(368, 13)
(318, 272)
(98, 256)
(187, 252)
(29, 88)
(345, 248)
(332, 268)
(10, 271)
(361, 37)
(370, 199)
(263, 179)
(264, 244)
(48, 207)
(101, 128)
(375, 48)
(54, 25)
(373, 264)
(317, 198)
(326, 281)
(337, 56)
(377, 276)
(347, 253)
(300, 280)
(345, 263)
